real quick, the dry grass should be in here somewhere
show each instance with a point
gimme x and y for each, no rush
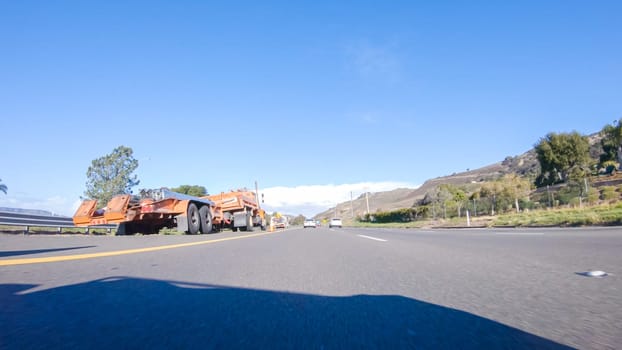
(603, 215)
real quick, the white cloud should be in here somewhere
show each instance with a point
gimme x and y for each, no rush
(55, 204)
(312, 199)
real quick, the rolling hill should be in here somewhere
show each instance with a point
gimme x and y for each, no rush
(524, 164)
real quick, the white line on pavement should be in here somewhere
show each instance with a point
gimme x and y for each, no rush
(520, 233)
(374, 238)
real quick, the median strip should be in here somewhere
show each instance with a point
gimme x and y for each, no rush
(10, 262)
(374, 238)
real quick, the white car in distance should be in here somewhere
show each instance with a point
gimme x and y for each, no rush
(335, 223)
(309, 223)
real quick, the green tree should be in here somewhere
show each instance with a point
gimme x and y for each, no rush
(475, 197)
(298, 220)
(430, 200)
(192, 190)
(448, 196)
(3, 187)
(612, 143)
(443, 197)
(558, 154)
(459, 198)
(111, 175)
(516, 188)
(491, 190)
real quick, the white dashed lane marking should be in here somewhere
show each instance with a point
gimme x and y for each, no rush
(374, 238)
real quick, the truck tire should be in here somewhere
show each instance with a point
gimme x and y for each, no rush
(194, 219)
(206, 219)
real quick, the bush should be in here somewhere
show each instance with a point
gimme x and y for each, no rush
(400, 215)
(608, 193)
(569, 194)
(592, 196)
(527, 204)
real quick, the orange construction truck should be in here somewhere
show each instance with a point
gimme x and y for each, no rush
(239, 210)
(153, 210)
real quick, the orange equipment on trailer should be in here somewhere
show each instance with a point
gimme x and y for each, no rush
(152, 211)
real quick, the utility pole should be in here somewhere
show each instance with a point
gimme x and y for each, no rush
(257, 195)
(367, 200)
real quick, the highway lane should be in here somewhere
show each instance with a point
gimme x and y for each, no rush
(526, 278)
(317, 288)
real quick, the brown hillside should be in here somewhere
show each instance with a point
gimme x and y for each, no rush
(525, 164)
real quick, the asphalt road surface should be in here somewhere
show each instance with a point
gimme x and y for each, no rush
(314, 289)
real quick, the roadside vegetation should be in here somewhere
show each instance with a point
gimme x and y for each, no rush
(576, 184)
(605, 215)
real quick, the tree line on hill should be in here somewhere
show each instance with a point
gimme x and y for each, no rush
(567, 171)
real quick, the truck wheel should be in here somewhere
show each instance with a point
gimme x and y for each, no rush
(194, 219)
(206, 219)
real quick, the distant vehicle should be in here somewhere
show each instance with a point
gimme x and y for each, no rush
(309, 223)
(279, 221)
(335, 223)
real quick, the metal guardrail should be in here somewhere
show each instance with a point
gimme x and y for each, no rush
(32, 220)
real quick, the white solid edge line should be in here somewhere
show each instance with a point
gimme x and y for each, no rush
(374, 238)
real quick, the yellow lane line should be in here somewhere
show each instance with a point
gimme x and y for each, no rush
(9, 262)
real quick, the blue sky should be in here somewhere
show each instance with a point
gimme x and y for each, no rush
(337, 96)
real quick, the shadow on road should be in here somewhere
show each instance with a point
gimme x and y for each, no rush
(122, 312)
(39, 251)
